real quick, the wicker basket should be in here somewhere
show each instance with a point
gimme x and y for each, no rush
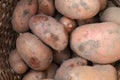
(8, 38)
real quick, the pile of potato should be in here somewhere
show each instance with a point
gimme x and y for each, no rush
(66, 39)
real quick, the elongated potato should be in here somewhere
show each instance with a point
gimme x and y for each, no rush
(22, 13)
(46, 7)
(67, 65)
(37, 55)
(51, 70)
(97, 72)
(17, 63)
(60, 57)
(111, 14)
(78, 9)
(34, 75)
(50, 31)
(99, 42)
(68, 23)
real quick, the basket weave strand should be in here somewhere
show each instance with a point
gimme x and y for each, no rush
(7, 39)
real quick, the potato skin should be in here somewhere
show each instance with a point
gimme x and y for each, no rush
(46, 7)
(50, 31)
(78, 9)
(34, 75)
(97, 72)
(111, 14)
(37, 55)
(17, 63)
(67, 66)
(68, 23)
(99, 42)
(22, 13)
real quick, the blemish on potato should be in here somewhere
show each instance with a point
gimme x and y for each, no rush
(52, 36)
(29, 2)
(84, 4)
(25, 12)
(89, 47)
(75, 5)
(34, 62)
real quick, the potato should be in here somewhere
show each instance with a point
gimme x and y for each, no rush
(46, 7)
(50, 31)
(51, 70)
(68, 23)
(78, 9)
(97, 72)
(111, 14)
(34, 75)
(24, 10)
(67, 66)
(60, 57)
(37, 55)
(17, 63)
(103, 4)
(98, 42)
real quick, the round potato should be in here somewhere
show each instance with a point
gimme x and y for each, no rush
(98, 42)
(34, 75)
(17, 63)
(37, 55)
(22, 13)
(78, 9)
(50, 31)
(46, 7)
(111, 14)
(97, 72)
(68, 23)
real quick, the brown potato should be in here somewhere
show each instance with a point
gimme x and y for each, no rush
(68, 23)
(98, 42)
(111, 14)
(24, 10)
(60, 57)
(37, 55)
(46, 7)
(78, 9)
(34, 75)
(67, 66)
(50, 31)
(17, 63)
(97, 72)
(51, 70)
